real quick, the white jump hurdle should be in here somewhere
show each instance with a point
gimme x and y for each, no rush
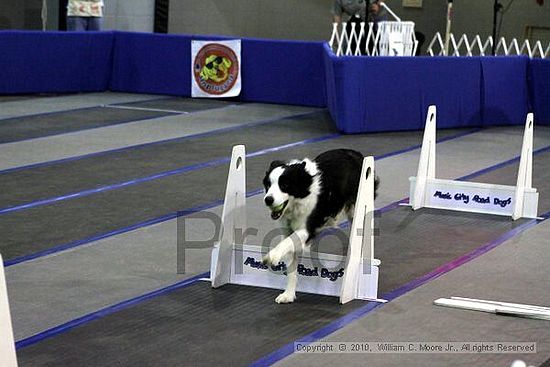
(7, 344)
(351, 277)
(520, 201)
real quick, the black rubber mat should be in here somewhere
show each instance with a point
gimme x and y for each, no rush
(35, 126)
(23, 186)
(181, 104)
(195, 326)
(411, 244)
(243, 324)
(29, 231)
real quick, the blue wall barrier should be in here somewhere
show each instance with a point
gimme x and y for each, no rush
(539, 90)
(40, 62)
(288, 72)
(369, 94)
(151, 63)
(505, 92)
(33, 62)
(272, 71)
(387, 94)
(363, 94)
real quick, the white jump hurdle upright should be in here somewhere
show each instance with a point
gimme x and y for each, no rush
(7, 343)
(520, 201)
(352, 277)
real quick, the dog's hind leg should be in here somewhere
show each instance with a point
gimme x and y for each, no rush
(350, 211)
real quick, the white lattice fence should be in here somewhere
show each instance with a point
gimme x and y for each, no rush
(391, 39)
(476, 47)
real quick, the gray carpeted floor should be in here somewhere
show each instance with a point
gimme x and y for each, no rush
(36, 126)
(27, 105)
(62, 287)
(180, 104)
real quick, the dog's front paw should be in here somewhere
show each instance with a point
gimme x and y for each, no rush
(273, 257)
(286, 297)
(266, 260)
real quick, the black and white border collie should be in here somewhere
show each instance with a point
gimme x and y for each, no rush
(308, 195)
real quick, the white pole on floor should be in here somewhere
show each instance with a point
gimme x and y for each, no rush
(499, 308)
(7, 343)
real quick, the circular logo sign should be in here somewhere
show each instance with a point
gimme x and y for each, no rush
(216, 69)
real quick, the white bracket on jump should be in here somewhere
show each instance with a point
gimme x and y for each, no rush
(7, 343)
(351, 277)
(520, 201)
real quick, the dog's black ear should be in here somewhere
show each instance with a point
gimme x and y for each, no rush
(274, 165)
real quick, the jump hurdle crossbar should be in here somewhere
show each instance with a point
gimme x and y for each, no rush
(7, 344)
(354, 276)
(520, 201)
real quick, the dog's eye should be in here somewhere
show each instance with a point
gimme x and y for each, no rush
(283, 186)
(267, 184)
